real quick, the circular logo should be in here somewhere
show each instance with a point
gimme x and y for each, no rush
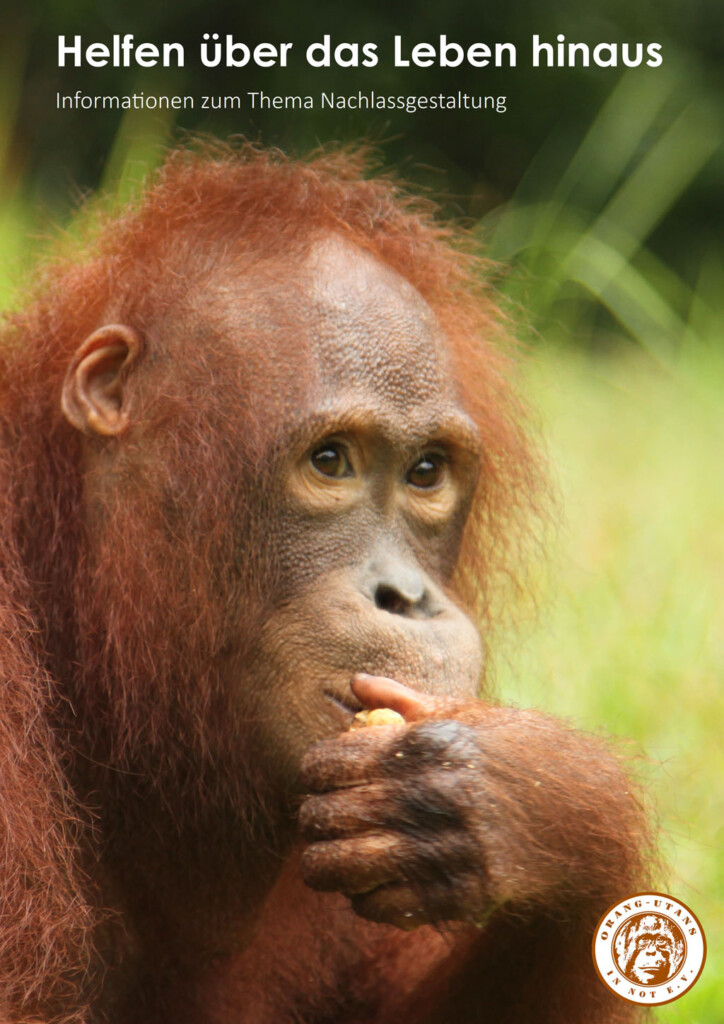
(649, 948)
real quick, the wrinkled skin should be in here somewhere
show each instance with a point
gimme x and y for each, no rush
(396, 822)
(365, 556)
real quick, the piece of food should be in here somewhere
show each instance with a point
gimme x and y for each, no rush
(378, 716)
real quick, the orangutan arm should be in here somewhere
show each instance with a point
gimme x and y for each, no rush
(507, 822)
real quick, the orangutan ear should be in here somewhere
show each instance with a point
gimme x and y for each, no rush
(94, 398)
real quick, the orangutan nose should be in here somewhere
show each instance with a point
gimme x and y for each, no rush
(400, 587)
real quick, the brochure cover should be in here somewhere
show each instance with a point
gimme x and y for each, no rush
(361, 554)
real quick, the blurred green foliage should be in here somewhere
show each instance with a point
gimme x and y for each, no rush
(600, 192)
(628, 636)
(580, 238)
(650, 133)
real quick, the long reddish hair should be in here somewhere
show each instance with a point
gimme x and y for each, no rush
(84, 627)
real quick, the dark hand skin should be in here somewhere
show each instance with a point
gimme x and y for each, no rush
(392, 819)
(458, 811)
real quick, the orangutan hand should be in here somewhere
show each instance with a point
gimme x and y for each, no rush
(396, 812)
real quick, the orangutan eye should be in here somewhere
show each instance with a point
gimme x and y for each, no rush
(331, 460)
(428, 471)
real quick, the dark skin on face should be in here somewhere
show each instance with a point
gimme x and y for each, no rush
(465, 807)
(377, 495)
(376, 481)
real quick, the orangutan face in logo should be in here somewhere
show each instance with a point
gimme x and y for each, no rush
(649, 949)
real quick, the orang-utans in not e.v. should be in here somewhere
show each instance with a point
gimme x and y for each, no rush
(259, 468)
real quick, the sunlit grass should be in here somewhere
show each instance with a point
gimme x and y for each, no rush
(631, 634)
(630, 637)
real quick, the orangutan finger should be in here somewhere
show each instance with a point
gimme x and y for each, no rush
(347, 812)
(396, 903)
(351, 759)
(352, 866)
(381, 692)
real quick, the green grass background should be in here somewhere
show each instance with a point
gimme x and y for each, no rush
(626, 368)
(628, 638)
